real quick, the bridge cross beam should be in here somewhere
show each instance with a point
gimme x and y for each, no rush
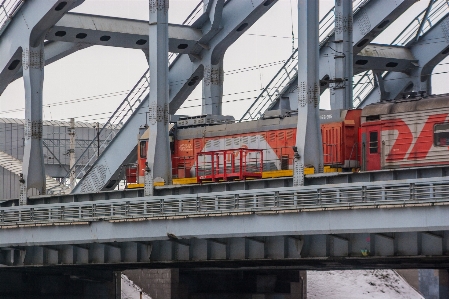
(309, 151)
(158, 161)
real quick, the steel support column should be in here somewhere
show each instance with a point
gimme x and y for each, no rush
(308, 136)
(213, 88)
(341, 88)
(33, 158)
(158, 156)
(213, 70)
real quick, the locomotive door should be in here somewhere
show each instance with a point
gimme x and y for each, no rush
(372, 149)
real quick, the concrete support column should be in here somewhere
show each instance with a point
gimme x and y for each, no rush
(213, 89)
(431, 283)
(309, 149)
(158, 157)
(341, 88)
(33, 159)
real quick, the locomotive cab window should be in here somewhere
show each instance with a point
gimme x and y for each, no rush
(441, 134)
(143, 149)
(373, 142)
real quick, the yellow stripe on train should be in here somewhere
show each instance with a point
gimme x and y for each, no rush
(265, 175)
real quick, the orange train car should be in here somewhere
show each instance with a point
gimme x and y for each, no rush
(407, 133)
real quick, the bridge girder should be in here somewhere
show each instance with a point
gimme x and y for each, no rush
(413, 235)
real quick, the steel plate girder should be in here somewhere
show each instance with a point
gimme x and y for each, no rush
(407, 249)
(430, 50)
(329, 251)
(125, 33)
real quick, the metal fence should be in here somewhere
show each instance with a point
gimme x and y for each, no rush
(293, 199)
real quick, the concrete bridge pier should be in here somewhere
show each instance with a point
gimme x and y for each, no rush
(431, 283)
(220, 284)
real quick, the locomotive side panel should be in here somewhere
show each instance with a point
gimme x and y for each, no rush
(350, 141)
(413, 131)
(412, 139)
(332, 143)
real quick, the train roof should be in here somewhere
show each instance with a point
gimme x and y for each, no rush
(407, 105)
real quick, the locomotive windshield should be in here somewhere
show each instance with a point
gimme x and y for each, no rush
(441, 134)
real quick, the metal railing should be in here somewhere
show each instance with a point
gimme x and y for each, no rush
(289, 71)
(297, 199)
(8, 9)
(412, 32)
(439, 9)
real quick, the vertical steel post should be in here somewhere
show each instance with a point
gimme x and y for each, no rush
(213, 66)
(159, 162)
(341, 88)
(72, 153)
(97, 124)
(213, 88)
(309, 150)
(33, 157)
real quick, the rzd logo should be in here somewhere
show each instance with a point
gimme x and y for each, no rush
(404, 141)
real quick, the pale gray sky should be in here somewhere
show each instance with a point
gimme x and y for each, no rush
(99, 70)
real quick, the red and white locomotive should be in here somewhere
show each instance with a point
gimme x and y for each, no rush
(394, 134)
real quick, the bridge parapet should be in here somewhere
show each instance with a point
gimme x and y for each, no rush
(277, 200)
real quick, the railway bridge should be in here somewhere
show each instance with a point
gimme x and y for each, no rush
(251, 238)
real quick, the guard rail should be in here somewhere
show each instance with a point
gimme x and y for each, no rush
(276, 200)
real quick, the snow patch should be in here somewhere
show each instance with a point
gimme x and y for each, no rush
(130, 290)
(358, 284)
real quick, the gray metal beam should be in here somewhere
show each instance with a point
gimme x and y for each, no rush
(119, 32)
(380, 58)
(309, 151)
(158, 153)
(213, 71)
(418, 79)
(341, 87)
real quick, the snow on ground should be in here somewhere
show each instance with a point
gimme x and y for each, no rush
(130, 290)
(358, 284)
